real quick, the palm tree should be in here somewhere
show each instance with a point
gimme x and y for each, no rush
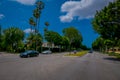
(46, 24)
(36, 15)
(12, 37)
(37, 12)
(32, 23)
(40, 5)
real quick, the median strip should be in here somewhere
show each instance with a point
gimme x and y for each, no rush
(78, 54)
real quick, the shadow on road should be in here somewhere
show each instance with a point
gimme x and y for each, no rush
(112, 59)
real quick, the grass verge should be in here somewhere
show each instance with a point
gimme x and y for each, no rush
(117, 55)
(79, 54)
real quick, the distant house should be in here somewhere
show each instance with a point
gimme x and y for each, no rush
(116, 50)
(47, 44)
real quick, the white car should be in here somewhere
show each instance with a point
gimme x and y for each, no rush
(47, 52)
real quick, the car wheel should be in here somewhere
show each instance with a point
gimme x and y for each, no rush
(28, 55)
(37, 54)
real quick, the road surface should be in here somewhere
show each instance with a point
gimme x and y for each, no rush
(92, 66)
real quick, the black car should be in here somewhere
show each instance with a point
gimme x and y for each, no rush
(29, 53)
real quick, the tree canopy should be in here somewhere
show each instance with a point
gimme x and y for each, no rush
(74, 36)
(107, 24)
(53, 37)
(34, 41)
(107, 21)
(12, 37)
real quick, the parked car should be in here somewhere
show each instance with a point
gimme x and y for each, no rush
(47, 52)
(29, 53)
(75, 51)
(91, 51)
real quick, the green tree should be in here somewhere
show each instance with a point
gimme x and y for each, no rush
(77, 42)
(102, 44)
(74, 36)
(37, 13)
(32, 24)
(36, 19)
(118, 43)
(107, 22)
(65, 42)
(12, 37)
(84, 47)
(107, 43)
(98, 44)
(34, 41)
(53, 38)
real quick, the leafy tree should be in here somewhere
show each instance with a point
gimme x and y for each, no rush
(107, 22)
(12, 37)
(53, 37)
(102, 44)
(98, 44)
(74, 36)
(77, 42)
(65, 42)
(34, 41)
(84, 47)
(118, 43)
(107, 43)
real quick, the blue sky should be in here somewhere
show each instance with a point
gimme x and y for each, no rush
(59, 13)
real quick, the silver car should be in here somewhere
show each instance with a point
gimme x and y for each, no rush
(47, 52)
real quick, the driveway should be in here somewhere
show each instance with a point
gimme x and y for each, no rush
(92, 66)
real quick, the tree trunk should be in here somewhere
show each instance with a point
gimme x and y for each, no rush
(106, 49)
(59, 48)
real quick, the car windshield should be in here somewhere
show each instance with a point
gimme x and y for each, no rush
(26, 52)
(46, 51)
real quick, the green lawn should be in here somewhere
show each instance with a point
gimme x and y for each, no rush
(77, 54)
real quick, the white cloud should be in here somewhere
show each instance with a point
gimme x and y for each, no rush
(1, 16)
(28, 30)
(66, 18)
(83, 9)
(26, 2)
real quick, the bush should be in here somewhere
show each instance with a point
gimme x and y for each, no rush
(117, 55)
(112, 54)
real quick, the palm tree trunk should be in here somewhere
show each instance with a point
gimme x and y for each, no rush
(36, 34)
(38, 24)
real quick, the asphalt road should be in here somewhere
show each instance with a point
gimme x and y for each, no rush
(93, 66)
